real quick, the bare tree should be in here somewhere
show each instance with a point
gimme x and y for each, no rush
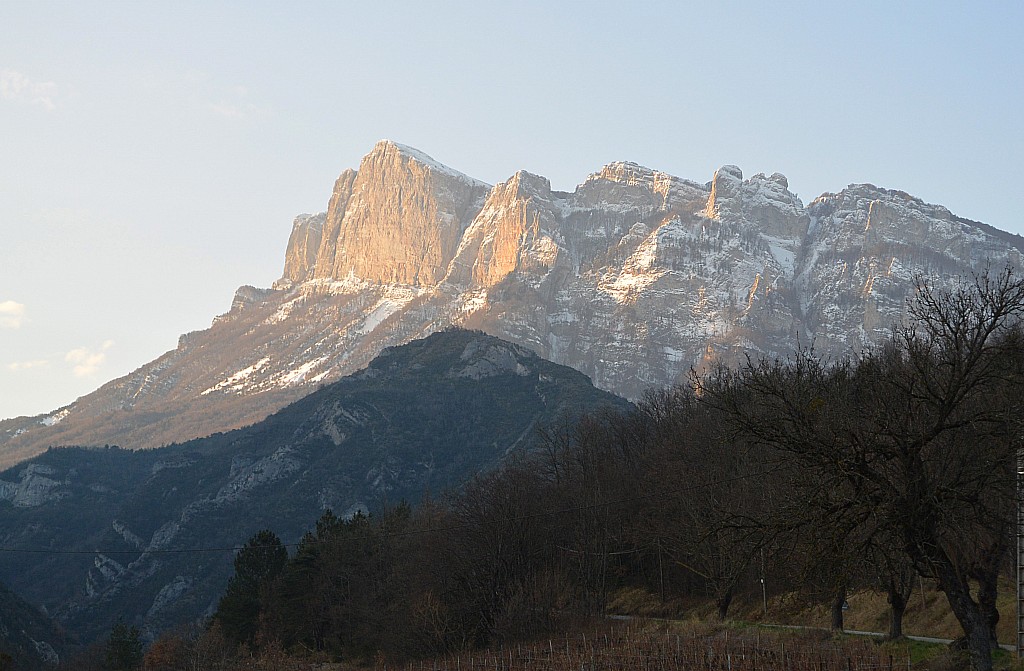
(704, 490)
(915, 442)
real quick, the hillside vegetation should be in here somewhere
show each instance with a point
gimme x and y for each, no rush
(97, 534)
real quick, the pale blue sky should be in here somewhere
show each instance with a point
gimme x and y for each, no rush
(153, 156)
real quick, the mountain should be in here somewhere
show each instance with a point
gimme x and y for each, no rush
(634, 278)
(94, 534)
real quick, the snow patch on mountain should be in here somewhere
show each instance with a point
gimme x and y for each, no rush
(284, 311)
(236, 382)
(298, 374)
(471, 301)
(784, 251)
(55, 418)
(393, 300)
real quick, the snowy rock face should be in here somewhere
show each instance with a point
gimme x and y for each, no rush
(866, 246)
(634, 278)
(763, 201)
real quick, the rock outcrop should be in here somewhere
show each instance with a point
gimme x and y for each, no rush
(303, 247)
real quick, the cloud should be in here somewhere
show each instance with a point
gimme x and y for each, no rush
(231, 111)
(12, 315)
(201, 93)
(19, 88)
(234, 103)
(84, 361)
(27, 365)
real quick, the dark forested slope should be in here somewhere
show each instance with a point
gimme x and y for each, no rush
(127, 531)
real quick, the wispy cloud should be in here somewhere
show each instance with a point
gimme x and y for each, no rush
(200, 92)
(85, 361)
(17, 87)
(12, 315)
(233, 103)
(235, 112)
(27, 365)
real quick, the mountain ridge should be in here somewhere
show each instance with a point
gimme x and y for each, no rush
(635, 277)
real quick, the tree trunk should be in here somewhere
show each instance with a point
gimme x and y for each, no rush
(987, 592)
(897, 607)
(723, 601)
(899, 587)
(968, 613)
(838, 602)
(987, 575)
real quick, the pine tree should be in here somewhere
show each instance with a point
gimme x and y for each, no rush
(256, 564)
(124, 648)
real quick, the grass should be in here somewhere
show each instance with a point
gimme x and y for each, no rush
(928, 612)
(681, 646)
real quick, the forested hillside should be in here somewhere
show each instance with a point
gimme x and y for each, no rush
(97, 534)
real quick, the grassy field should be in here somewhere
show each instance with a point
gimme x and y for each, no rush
(679, 636)
(928, 612)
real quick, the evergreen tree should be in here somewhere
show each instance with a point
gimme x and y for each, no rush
(124, 648)
(256, 564)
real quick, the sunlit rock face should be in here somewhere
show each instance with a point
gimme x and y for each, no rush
(303, 248)
(515, 232)
(635, 278)
(400, 221)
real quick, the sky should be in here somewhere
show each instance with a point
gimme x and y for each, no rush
(153, 155)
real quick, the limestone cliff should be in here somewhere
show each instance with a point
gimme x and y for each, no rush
(512, 232)
(303, 247)
(398, 219)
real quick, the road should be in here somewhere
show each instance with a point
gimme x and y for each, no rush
(852, 632)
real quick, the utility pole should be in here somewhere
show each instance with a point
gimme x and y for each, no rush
(764, 590)
(1020, 553)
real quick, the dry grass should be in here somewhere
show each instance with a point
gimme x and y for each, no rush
(661, 646)
(928, 613)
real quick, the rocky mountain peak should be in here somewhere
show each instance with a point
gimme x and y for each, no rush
(248, 295)
(625, 172)
(454, 353)
(387, 152)
(726, 180)
(765, 202)
(511, 232)
(525, 184)
(303, 248)
(400, 221)
(624, 186)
